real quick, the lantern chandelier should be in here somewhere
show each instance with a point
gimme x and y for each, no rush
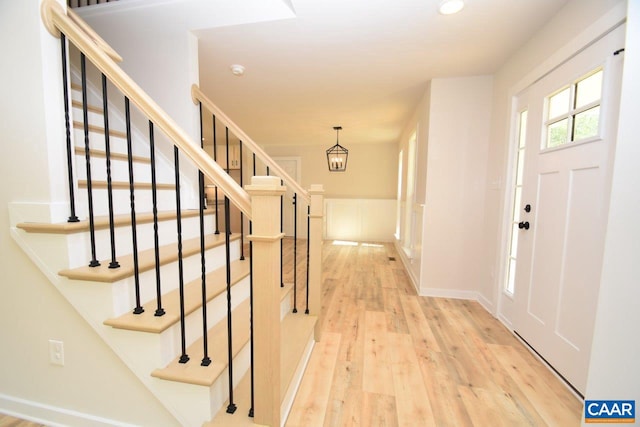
(337, 155)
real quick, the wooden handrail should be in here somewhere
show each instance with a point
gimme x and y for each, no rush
(56, 19)
(198, 96)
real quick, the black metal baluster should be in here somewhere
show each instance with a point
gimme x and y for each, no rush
(156, 243)
(206, 361)
(134, 233)
(251, 301)
(251, 305)
(232, 407)
(282, 231)
(241, 213)
(226, 130)
(85, 116)
(306, 311)
(295, 252)
(227, 223)
(215, 159)
(72, 200)
(184, 358)
(107, 148)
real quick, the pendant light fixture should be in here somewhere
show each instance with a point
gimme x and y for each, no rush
(337, 155)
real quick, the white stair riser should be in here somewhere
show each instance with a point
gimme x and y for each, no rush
(80, 243)
(124, 290)
(166, 201)
(117, 144)
(216, 311)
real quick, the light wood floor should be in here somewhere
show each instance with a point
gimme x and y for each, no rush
(7, 421)
(391, 358)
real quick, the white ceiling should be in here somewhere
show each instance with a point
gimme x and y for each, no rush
(361, 64)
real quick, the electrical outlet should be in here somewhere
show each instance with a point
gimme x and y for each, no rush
(56, 352)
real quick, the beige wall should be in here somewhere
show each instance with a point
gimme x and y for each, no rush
(93, 380)
(460, 113)
(371, 169)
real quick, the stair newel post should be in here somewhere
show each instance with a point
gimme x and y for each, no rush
(314, 293)
(107, 148)
(231, 408)
(156, 241)
(87, 154)
(215, 159)
(295, 252)
(241, 214)
(265, 236)
(65, 85)
(134, 230)
(184, 358)
(206, 361)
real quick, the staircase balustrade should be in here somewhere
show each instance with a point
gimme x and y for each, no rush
(264, 313)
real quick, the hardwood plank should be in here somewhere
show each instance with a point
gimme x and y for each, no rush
(412, 400)
(445, 399)
(542, 396)
(313, 395)
(376, 370)
(418, 327)
(378, 410)
(488, 408)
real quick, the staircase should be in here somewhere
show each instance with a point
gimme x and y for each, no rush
(153, 273)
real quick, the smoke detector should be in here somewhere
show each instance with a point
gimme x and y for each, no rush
(237, 70)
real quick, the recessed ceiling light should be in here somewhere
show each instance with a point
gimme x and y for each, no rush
(237, 70)
(449, 7)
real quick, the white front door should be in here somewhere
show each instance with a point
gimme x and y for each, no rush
(570, 140)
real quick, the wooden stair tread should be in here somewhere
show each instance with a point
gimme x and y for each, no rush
(148, 322)
(98, 129)
(102, 222)
(296, 330)
(114, 156)
(124, 185)
(192, 372)
(242, 399)
(78, 104)
(146, 260)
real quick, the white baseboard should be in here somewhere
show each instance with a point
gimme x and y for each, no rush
(488, 305)
(449, 293)
(51, 415)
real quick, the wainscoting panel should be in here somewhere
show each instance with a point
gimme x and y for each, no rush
(362, 220)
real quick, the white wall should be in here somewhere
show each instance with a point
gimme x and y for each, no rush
(572, 28)
(418, 123)
(614, 370)
(93, 380)
(460, 114)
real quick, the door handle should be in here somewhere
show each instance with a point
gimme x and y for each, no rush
(524, 225)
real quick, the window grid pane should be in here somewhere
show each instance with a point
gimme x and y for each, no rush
(589, 90)
(585, 124)
(558, 133)
(559, 103)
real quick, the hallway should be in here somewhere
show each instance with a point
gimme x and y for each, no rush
(388, 357)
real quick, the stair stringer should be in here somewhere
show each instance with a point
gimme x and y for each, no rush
(191, 405)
